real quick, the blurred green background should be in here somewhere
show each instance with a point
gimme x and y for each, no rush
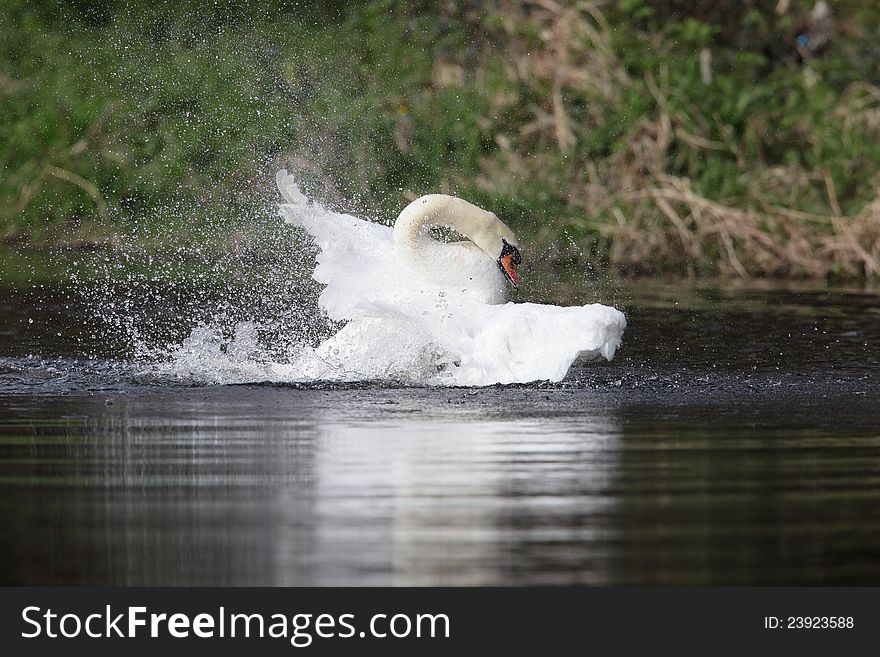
(697, 138)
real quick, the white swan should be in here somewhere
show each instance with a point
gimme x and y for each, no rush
(424, 311)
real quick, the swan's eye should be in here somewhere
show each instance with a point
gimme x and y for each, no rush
(508, 249)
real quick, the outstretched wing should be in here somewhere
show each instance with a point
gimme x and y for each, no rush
(356, 260)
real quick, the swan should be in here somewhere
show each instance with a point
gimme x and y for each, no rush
(418, 310)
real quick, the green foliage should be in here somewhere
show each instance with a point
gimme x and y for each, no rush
(116, 112)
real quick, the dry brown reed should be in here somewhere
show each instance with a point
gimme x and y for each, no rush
(652, 219)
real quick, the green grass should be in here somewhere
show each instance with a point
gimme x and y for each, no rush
(160, 117)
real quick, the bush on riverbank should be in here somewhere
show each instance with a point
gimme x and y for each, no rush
(652, 136)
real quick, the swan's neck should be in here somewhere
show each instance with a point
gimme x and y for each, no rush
(412, 236)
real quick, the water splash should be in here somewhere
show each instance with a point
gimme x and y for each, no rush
(215, 300)
(223, 300)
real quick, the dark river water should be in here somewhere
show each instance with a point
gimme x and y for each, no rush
(735, 439)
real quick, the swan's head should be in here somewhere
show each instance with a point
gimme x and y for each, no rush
(508, 261)
(498, 242)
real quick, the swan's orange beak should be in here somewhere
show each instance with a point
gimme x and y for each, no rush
(508, 266)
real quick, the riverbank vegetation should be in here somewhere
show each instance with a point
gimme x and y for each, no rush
(698, 138)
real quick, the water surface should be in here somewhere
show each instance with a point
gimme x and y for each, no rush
(735, 439)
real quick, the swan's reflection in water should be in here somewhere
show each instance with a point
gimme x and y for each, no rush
(453, 502)
(272, 487)
(261, 486)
